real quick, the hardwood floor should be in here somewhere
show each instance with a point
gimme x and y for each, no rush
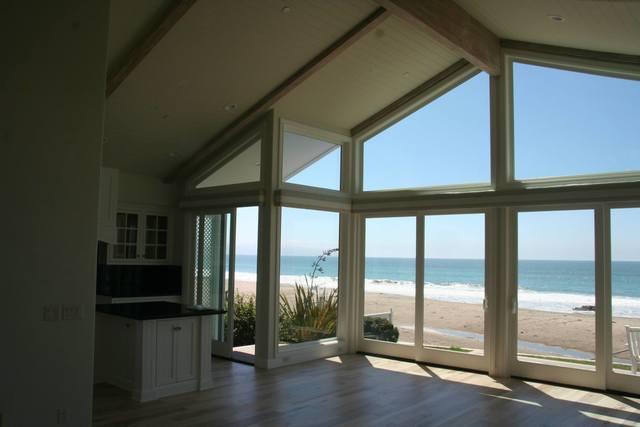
(357, 390)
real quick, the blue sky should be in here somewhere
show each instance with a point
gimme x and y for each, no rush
(565, 123)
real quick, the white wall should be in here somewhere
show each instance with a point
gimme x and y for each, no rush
(146, 190)
(52, 84)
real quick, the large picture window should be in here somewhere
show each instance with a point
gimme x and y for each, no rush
(446, 142)
(569, 123)
(309, 259)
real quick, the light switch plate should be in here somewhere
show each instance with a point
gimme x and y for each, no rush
(71, 312)
(51, 312)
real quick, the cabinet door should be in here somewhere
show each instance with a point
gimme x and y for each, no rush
(127, 239)
(156, 238)
(185, 342)
(165, 352)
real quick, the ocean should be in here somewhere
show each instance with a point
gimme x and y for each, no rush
(558, 286)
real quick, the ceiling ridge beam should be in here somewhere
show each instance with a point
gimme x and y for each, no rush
(410, 98)
(617, 58)
(454, 27)
(174, 12)
(269, 100)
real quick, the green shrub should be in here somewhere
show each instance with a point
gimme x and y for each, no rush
(313, 313)
(244, 324)
(379, 328)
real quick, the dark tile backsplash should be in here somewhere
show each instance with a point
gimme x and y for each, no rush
(121, 281)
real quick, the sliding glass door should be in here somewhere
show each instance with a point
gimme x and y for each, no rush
(443, 319)
(226, 280)
(624, 279)
(554, 307)
(454, 292)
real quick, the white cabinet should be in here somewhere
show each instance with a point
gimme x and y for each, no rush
(107, 205)
(175, 345)
(142, 237)
(115, 350)
(154, 358)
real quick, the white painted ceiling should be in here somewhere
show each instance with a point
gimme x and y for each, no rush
(234, 52)
(129, 22)
(378, 69)
(221, 52)
(604, 25)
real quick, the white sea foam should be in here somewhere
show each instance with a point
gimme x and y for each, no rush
(473, 294)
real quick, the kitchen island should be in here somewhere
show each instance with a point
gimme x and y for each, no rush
(154, 349)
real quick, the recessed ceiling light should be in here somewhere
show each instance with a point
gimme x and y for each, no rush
(285, 9)
(230, 107)
(557, 18)
(172, 155)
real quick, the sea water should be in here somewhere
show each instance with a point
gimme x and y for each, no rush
(558, 286)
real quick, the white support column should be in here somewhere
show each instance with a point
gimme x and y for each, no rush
(506, 293)
(268, 235)
(491, 289)
(603, 294)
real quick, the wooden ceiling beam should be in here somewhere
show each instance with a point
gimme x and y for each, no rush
(175, 11)
(269, 100)
(452, 26)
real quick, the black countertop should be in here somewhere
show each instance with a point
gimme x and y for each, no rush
(153, 310)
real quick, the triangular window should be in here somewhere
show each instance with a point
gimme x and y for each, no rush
(244, 167)
(444, 143)
(310, 161)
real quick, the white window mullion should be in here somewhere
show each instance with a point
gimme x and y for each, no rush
(419, 319)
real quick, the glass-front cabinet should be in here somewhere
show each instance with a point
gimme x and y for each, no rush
(141, 238)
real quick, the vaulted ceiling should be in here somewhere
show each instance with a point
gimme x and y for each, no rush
(228, 53)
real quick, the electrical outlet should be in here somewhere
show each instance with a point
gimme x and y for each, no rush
(51, 312)
(71, 312)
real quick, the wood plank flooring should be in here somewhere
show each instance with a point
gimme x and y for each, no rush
(357, 390)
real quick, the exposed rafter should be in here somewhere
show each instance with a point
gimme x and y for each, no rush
(451, 25)
(462, 66)
(176, 10)
(265, 103)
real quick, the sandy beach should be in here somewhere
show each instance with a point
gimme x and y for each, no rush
(573, 331)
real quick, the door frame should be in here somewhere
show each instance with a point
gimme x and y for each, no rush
(417, 351)
(223, 348)
(570, 375)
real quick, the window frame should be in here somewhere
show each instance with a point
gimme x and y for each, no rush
(574, 375)
(434, 92)
(418, 351)
(315, 347)
(341, 141)
(565, 63)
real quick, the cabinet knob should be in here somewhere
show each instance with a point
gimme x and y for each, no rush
(177, 328)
